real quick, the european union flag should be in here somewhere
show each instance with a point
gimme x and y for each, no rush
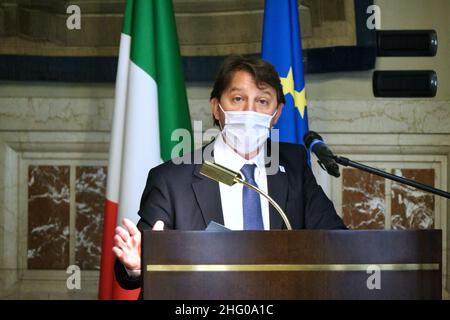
(281, 46)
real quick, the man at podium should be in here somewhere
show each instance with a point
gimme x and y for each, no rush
(246, 101)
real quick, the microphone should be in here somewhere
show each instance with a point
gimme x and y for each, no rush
(314, 143)
(222, 174)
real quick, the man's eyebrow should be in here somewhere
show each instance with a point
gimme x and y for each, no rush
(235, 89)
(267, 92)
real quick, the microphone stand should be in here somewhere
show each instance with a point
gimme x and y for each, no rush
(222, 174)
(349, 163)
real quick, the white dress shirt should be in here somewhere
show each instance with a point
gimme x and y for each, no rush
(231, 196)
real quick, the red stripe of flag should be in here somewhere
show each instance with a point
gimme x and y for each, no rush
(107, 262)
(109, 288)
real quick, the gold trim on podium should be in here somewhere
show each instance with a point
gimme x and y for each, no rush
(289, 267)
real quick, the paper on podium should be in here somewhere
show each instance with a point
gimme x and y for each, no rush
(214, 226)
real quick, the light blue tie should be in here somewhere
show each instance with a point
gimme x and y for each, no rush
(251, 203)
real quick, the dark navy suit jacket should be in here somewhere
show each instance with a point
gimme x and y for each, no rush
(186, 200)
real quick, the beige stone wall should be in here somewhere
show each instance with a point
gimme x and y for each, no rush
(65, 123)
(233, 26)
(414, 14)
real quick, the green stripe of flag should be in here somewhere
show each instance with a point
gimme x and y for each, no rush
(155, 49)
(143, 36)
(127, 19)
(173, 103)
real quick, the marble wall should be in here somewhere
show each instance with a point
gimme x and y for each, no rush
(54, 140)
(412, 208)
(48, 217)
(53, 215)
(51, 204)
(89, 202)
(364, 201)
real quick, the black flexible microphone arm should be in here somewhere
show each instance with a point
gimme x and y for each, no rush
(349, 163)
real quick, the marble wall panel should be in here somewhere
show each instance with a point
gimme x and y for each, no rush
(363, 200)
(48, 217)
(412, 208)
(90, 187)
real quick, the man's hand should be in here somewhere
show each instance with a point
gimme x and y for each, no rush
(127, 244)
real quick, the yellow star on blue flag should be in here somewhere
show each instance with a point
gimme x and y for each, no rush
(299, 97)
(281, 46)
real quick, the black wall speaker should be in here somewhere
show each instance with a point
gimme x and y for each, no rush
(406, 43)
(420, 83)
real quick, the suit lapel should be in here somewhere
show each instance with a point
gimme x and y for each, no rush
(207, 193)
(277, 185)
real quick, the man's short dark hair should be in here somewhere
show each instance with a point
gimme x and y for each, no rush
(262, 71)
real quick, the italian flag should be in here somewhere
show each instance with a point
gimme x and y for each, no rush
(150, 102)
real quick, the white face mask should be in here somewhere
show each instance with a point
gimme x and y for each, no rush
(246, 131)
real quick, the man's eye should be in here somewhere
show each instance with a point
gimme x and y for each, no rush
(237, 99)
(263, 102)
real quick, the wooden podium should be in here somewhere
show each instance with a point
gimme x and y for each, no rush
(304, 264)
